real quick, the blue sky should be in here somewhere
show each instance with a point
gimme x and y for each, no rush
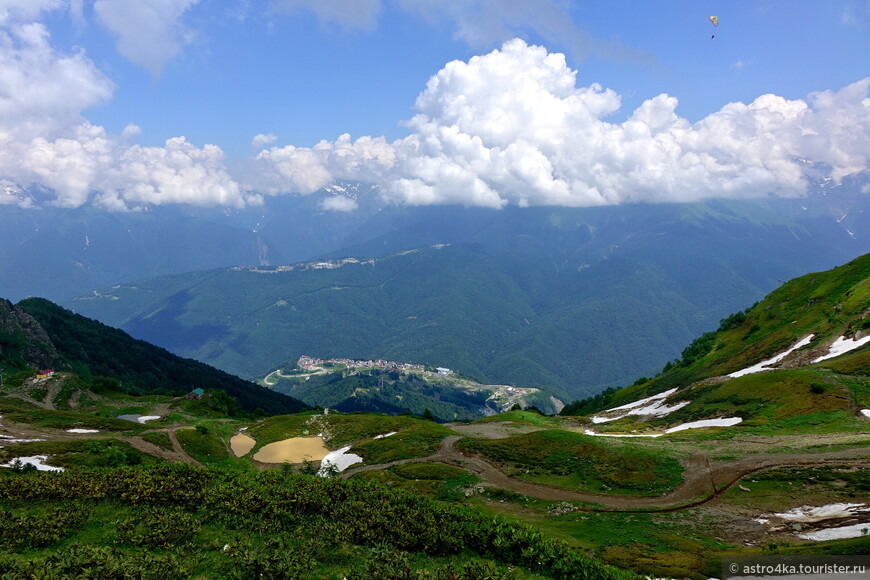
(100, 86)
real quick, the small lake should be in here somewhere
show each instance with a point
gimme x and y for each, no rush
(241, 444)
(294, 450)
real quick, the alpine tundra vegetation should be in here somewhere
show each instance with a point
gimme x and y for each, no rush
(406, 290)
(665, 477)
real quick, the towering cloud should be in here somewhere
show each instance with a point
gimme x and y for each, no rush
(512, 126)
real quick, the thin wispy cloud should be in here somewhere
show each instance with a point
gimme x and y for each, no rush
(149, 33)
(480, 23)
(361, 14)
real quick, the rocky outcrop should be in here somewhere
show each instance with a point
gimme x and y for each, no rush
(23, 341)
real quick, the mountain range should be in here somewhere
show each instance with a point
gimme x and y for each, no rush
(59, 253)
(573, 300)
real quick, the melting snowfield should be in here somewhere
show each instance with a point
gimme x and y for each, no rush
(594, 434)
(865, 412)
(841, 533)
(842, 345)
(10, 439)
(82, 430)
(340, 458)
(765, 364)
(384, 435)
(37, 461)
(651, 406)
(822, 515)
(138, 418)
(816, 514)
(724, 422)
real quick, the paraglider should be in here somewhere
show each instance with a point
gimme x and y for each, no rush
(715, 21)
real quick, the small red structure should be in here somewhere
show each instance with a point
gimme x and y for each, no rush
(44, 374)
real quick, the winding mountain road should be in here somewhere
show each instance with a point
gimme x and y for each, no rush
(703, 482)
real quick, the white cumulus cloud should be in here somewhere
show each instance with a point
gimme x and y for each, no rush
(42, 90)
(261, 140)
(178, 172)
(338, 203)
(46, 143)
(514, 127)
(280, 170)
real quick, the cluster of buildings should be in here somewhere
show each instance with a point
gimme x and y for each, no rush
(310, 363)
(303, 266)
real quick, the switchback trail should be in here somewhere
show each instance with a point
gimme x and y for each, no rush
(703, 482)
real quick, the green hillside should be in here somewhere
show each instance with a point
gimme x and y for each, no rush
(811, 312)
(570, 301)
(518, 495)
(38, 334)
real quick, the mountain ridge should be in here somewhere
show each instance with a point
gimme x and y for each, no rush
(36, 334)
(799, 352)
(571, 301)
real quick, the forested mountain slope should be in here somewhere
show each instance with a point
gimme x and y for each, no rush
(570, 300)
(37, 334)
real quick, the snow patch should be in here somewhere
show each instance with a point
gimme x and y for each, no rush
(146, 418)
(841, 346)
(11, 439)
(594, 434)
(651, 406)
(865, 412)
(82, 430)
(724, 422)
(841, 533)
(340, 458)
(385, 435)
(765, 364)
(808, 514)
(37, 461)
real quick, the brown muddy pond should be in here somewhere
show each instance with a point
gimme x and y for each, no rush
(241, 444)
(294, 450)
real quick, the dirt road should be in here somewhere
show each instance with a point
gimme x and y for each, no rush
(703, 482)
(177, 454)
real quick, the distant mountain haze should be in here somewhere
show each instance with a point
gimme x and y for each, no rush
(572, 300)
